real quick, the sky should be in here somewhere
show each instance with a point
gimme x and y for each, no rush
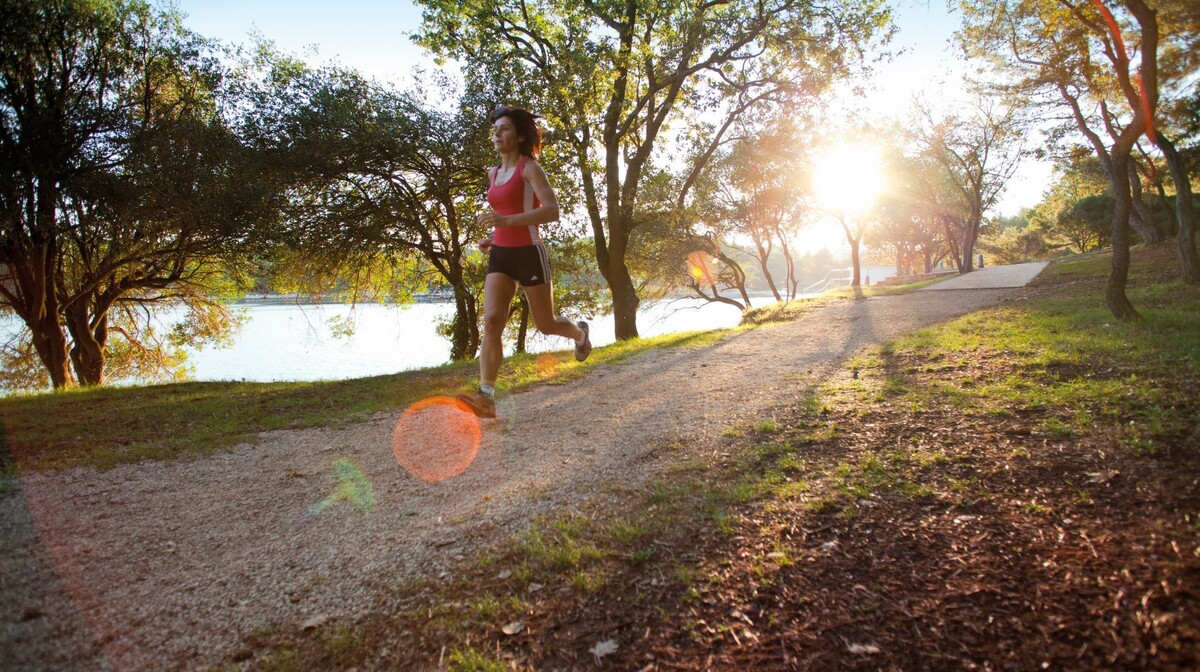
(372, 36)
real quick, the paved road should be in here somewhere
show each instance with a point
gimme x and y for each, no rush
(994, 277)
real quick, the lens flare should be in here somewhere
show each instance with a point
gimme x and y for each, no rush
(1115, 31)
(352, 486)
(700, 266)
(547, 365)
(436, 438)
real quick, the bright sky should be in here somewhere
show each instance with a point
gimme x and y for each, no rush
(372, 36)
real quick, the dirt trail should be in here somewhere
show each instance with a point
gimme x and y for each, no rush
(172, 565)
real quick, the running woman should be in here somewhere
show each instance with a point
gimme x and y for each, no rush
(521, 200)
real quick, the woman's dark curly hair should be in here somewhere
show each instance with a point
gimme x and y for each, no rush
(526, 125)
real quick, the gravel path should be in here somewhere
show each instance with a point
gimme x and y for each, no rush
(171, 565)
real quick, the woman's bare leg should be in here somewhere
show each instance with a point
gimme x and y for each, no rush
(498, 293)
(541, 307)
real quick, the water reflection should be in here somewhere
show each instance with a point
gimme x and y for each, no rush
(295, 342)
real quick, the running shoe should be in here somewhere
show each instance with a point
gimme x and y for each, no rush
(480, 404)
(584, 347)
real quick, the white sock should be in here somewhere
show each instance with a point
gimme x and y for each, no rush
(488, 390)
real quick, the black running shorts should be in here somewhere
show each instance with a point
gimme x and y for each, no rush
(528, 264)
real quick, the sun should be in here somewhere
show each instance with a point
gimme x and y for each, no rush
(848, 178)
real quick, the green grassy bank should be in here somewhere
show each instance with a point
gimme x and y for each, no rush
(104, 427)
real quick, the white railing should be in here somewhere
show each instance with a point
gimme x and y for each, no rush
(835, 277)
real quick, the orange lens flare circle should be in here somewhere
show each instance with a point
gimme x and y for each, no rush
(700, 267)
(547, 366)
(436, 438)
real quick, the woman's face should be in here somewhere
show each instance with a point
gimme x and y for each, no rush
(504, 135)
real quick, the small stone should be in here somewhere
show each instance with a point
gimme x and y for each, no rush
(314, 622)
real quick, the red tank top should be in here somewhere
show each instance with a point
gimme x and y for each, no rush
(513, 197)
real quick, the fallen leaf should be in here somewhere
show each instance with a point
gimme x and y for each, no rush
(859, 649)
(514, 628)
(602, 649)
(1103, 477)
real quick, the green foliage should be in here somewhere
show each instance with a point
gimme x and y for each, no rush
(613, 80)
(1015, 243)
(124, 177)
(383, 188)
(1076, 210)
(749, 194)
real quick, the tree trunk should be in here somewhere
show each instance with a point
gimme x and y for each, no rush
(770, 280)
(716, 295)
(522, 324)
(37, 278)
(625, 302)
(464, 328)
(610, 252)
(763, 255)
(856, 279)
(967, 262)
(1114, 293)
(1185, 236)
(739, 275)
(854, 261)
(51, 347)
(952, 241)
(87, 353)
(1141, 219)
(793, 283)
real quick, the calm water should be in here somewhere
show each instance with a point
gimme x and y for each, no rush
(295, 342)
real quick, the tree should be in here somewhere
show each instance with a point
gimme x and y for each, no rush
(383, 187)
(1012, 240)
(975, 157)
(1142, 100)
(751, 194)
(1079, 177)
(1047, 51)
(910, 219)
(1086, 222)
(616, 79)
(1179, 25)
(122, 186)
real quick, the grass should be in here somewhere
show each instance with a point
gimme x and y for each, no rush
(106, 427)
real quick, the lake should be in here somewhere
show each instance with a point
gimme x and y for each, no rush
(296, 342)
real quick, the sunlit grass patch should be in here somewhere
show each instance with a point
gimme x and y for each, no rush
(628, 531)
(344, 642)
(104, 427)
(468, 659)
(490, 608)
(1062, 359)
(559, 551)
(589, 580)
(787, 311)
